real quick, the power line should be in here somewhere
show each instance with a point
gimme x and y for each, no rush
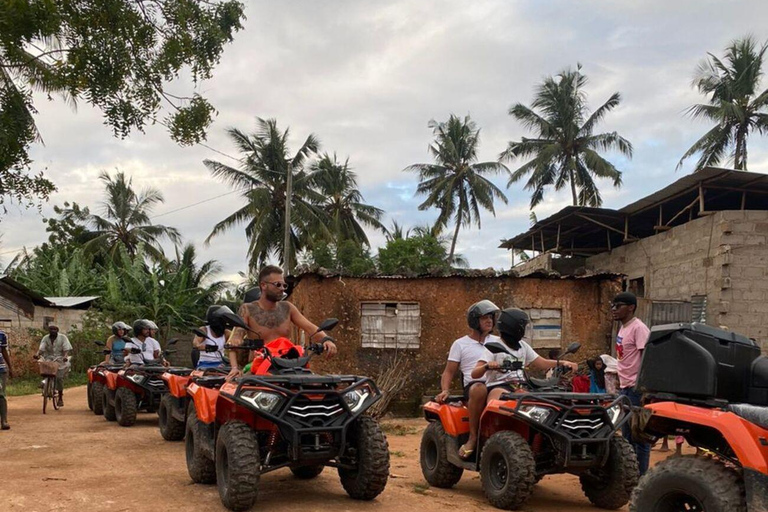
(195, 204)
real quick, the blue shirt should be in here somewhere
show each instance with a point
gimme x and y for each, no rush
(3, 344)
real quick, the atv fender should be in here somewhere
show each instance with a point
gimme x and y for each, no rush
(205, 402)
(111, 380)
(176, 384)
(91, 372)
(496, 418)
(455, 418)
(747, 440)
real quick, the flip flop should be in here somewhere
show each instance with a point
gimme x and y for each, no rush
(6, 427)
(465, 453)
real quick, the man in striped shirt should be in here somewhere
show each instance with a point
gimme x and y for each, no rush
(6, 372)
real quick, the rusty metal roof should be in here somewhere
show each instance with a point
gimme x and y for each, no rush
(488, 273)
(584, 231)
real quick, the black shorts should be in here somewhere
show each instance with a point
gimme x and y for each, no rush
(466, 388)
(509, 388)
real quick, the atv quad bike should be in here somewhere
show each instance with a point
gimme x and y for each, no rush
(536, 431)
(284, 416)
(97, 380)
(716, 396)
(136, 388)
(172, 414)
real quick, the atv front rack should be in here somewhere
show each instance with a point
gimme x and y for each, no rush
(310, 406)
(577, 421)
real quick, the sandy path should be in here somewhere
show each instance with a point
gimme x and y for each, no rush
(71, 460)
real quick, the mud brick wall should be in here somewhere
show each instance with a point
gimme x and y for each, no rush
(723, 256)
(443, 302)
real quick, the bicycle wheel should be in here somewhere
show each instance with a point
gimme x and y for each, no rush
(52, 394)
(46, 380)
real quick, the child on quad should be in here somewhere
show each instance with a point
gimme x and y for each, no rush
(211, 346)
(512, 324)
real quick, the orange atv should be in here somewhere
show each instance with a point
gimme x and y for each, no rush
(525, 435)
(97, 380)
(710, 386)
(285, 416)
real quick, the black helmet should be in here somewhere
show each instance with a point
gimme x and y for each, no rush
(479, 309)
(252, 295)
(141, 324)
(120, 325)
(512, 323)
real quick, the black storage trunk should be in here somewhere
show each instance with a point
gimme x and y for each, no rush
(698, 361)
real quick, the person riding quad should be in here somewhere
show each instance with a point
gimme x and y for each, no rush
(512, 323)
(150, 348)
(116, 343)
(270, 317)
(464, 354)
(217, 336)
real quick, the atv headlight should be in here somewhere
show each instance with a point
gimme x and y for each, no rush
(615, 413)
(535, 412)
(356, 398)
(264, 400)
(135, 377)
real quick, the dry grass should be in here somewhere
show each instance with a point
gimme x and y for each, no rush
(392, 379)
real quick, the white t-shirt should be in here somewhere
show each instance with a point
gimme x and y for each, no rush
(213, 357)
(525, 354)
(467, 352)
(148, 347)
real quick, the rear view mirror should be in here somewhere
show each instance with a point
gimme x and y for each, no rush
(135, 351)
(199, 333)
(496, 348)
(99, 343)
(228, 318)
(106, 351)
(328, 324)
(172, 341)
(252, 344)
(572, 348)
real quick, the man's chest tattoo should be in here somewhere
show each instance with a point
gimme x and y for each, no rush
(269, 319)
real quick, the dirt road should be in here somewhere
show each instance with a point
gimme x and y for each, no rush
(71, 460)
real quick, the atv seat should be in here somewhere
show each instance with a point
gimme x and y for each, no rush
(752, 413)
(211, 382)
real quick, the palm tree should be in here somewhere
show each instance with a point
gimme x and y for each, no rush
(126, 220)
(565, 148)
(261, 179)
(456, 183)
(343, 202)
(397, 232)
(735, 104)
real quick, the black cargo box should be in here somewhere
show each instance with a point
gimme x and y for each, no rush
(698, 361)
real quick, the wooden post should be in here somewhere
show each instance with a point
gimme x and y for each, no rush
(557, 247)
(542, 240)
(701, 198)
(533, 245)
(661, 215)
(743, 199)
(626, 228)
(608, 236)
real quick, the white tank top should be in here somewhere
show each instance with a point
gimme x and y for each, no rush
(213, 357)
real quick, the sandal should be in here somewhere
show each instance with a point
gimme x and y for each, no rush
(465, 453)
(5, 427)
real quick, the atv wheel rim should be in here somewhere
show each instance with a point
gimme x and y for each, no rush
(498, 471)
(430, 455)
(679, 501)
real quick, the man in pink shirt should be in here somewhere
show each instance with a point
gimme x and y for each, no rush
(630, 343)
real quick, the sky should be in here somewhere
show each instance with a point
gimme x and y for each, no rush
(366, 77)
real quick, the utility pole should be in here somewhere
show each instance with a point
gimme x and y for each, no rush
(287, 240)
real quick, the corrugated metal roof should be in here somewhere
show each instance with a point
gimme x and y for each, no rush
(68, 302)
(465, 273)
(35, 297)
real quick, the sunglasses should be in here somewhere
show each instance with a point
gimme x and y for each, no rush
(278, 284)
(618, 305)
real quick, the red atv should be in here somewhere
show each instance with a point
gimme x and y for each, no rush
(528, 434)
(97, 380)
(284, 417)
(710, 386)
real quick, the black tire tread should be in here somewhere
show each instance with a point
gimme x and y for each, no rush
(201, 469)
(109, 409)
(98, 405)
(614, 489)
(125, 407)
(370, 478)
(522, 476)
(242, 448)
(724, 486)
(170, 428)
(445, 475)
(89, 395)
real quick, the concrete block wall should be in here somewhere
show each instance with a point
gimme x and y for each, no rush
(723, 256)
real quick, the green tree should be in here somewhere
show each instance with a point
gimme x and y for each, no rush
(735, 103)
(419, 254)
(118, 55)
(457, 184)
(565, 149)
(57, 271)
(343, 202)
(261, 179)
(349, 257)
(125, 221)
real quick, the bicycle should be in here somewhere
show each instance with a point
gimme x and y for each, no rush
(48, 370)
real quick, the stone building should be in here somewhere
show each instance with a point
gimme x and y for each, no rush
(22, 308)
(422, 316)
(696, 250)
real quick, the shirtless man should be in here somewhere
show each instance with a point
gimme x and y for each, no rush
(270, 317)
